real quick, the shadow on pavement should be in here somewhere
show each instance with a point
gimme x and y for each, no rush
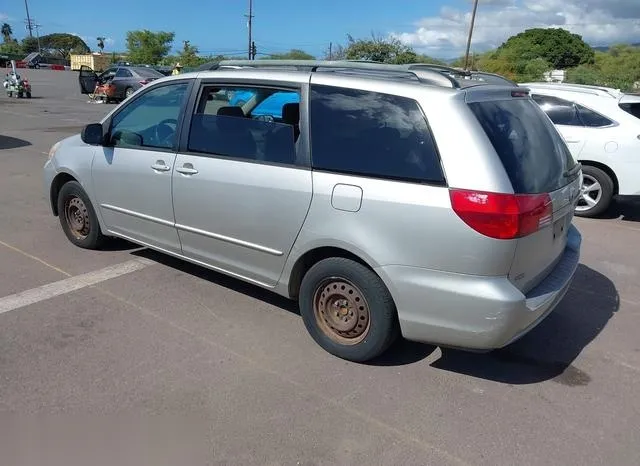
(624, 209)
(220, 280)
(7, 142)
(118, 244)
(548, 351)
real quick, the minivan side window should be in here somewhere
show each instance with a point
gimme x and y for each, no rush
(371, 134)
(257, 124)
(151, 120)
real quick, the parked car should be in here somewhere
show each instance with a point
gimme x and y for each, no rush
(602, 128)
(358, 198)
(120, 81)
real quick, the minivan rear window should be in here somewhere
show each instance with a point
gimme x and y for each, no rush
(532, 151)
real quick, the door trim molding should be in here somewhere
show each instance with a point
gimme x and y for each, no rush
(227, 239)
(138, 215)
(197, 231)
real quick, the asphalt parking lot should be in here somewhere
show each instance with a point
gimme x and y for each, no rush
(148, 335)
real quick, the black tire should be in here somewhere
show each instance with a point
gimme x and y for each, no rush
(350, 280)
(28, 95)
(19, 95)
(128, 91)
(591, 174)
(73, 202)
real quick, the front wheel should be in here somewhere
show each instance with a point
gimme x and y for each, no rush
(128, 92)
(597, 192)
(78, 218)
(347, 309)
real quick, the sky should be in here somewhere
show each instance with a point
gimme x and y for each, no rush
(435, 27)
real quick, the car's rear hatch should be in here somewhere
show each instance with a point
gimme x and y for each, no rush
(545, 178)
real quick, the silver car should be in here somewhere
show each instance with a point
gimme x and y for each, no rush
(385, 201)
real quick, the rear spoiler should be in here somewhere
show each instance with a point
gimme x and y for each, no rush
(495, 92)
(629, 99)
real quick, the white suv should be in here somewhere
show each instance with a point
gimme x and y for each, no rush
(602, 129)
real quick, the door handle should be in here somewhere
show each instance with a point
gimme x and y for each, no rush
(187, 169)
(160, 166)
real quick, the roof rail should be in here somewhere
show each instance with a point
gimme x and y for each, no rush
(587, 89)
(426, 76)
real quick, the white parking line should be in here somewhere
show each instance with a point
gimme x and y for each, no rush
(41, 293)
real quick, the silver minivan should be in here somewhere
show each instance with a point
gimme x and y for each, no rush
(386, 202)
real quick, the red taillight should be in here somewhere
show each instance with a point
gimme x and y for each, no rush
(144, 81)
(502, 216)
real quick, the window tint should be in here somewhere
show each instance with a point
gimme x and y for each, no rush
(123, 73)
(148, 73)
(534, 155)
(631, 108)
(259, 124)
(591, 118)
(368, 133)
(560, 111)
(151, 119)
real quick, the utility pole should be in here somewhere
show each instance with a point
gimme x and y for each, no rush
(330, 50)
(249, 24)
(254, 50)
(29, 23)
(38, 26)
(473, 20)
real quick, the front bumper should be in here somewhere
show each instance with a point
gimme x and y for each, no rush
(49, 172)
(475, 312)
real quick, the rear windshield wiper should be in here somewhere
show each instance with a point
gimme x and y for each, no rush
(572, 171)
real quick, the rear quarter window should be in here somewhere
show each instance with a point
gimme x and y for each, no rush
(532, 151)
(631, 108)
(371, 134)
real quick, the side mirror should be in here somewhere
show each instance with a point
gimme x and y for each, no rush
(93, 134)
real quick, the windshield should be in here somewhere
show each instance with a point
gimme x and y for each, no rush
(532, 151)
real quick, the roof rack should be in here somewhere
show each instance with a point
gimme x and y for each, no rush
(427, 76)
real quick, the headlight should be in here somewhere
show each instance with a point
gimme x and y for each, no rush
(53, 149)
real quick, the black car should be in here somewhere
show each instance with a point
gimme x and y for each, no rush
(121, 81)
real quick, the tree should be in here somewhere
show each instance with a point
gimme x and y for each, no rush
(57, 44)
(148, 47)
(560, 48)
(100, 41)
(293, 54)
(335, 52)
(384, 50)
(29, 44)
(6, 32)
(189, 55)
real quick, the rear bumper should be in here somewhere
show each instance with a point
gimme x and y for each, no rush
(475, 312)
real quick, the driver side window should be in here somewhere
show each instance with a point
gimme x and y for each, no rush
(151, 120)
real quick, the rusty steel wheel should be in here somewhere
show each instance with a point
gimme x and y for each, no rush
(341, 311)
(347, 309)
(77, 217)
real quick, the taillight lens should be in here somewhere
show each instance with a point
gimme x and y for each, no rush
(502, 216)
(144, 81)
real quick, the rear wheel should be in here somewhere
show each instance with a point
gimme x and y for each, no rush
(347, 309)
(128, 91)
(78, 218)
(597, 192)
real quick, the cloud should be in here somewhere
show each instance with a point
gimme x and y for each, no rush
(4, 17)
(599, 22)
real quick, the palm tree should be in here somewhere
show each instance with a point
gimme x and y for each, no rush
(6, 32)
(101, 43)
